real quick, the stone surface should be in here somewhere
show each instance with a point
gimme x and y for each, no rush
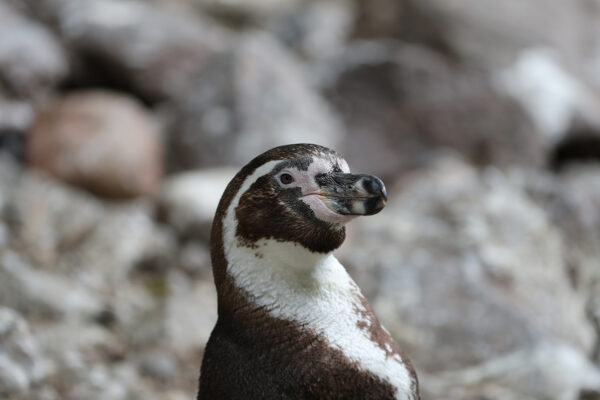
(43, 294)
(246, 104)
(574, 207)
(32, 64)
(132, 45)
(468, 264)
(101, 141)
(316, 30)
(191, 314)
(399, 103)
(21, 362)
(549, 370)
(16, 116)
(247, 12)
(32, 61)
(45, 217)
(553, 96)
(487, 32)
(556, 69)
(189, 200)
(486, 270)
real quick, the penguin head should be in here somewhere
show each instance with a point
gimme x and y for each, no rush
(300, 193)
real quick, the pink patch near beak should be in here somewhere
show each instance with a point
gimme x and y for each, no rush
(317, 203)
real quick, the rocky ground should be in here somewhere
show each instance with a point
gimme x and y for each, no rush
(121, 122)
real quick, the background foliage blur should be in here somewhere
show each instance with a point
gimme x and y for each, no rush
(121, 122)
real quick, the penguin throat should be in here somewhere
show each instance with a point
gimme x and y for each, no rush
(270, 263)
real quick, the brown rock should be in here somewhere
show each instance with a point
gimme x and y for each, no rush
(100, 141)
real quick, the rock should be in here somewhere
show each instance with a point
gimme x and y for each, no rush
(32, 61)
(40, 293)
(189, 200)
(96, 382)
(489, 33)
(470, 265)
(401, 103)
(45, 218)
(248, 12)
(245, 104)
(191, 314)
(16, 116)
(21, 362)
(126, 236)
(552, 96)
(101, 141)
(194, 260)
(574, 206)
(139, 308)
(316, 30)
(158, 364)
(405, 20)
(550, 370)
(77, 245)
(132, 45)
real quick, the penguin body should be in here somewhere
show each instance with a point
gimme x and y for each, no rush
(292, 323)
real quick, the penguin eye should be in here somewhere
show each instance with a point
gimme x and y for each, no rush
(286, 179)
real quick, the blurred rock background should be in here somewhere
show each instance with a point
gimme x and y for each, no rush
(121, 122)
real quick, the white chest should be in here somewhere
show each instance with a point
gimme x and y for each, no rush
(323, 298)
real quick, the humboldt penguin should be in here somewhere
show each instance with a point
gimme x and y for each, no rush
(292, 324)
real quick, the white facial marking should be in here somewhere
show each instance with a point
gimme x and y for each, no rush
(310, 288)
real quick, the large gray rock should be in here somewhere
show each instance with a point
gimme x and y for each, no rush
(466, 267)
(31, 59)
(552, 94)
(317, 29)
(399, 103)
(552, 72)
(488, 32)
(132, 44)
(247, 103)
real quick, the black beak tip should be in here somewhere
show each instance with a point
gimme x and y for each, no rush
(374, 185)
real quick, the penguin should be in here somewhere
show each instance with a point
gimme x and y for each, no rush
(291, 323)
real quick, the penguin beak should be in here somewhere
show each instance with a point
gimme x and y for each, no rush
(352, 194)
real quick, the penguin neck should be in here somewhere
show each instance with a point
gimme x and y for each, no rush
(277, 271)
